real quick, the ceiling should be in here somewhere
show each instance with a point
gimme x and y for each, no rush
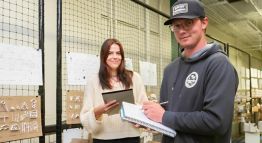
(241, 19)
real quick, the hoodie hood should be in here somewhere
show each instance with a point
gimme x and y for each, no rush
(208, 50)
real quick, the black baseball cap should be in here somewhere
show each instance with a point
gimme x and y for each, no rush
(188, 9)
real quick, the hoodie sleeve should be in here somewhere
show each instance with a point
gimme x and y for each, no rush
(216, 114)
(164, 90)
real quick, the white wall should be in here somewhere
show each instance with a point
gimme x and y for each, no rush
(50, 61)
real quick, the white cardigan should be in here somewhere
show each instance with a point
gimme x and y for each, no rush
(109, 127)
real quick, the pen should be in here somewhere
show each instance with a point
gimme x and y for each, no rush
(163, 103)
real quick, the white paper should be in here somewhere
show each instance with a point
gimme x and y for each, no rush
(129, 64)
(148, 73)
(134, 113)
(69, 134)
(80, 67)
(20, 65)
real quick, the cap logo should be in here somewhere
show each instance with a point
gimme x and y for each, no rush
(180, 8)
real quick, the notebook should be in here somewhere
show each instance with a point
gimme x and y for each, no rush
(133, 113)
(119, 96)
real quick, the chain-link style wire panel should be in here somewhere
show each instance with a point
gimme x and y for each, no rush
(256, 88)
(86, 24)
(240, 61)
(211, 39)
(256, 64)
(19, 26)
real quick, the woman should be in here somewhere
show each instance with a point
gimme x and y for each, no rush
(112, 76)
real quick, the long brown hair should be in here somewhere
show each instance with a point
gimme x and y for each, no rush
(124, 75)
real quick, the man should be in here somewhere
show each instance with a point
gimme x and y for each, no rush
(199, 86)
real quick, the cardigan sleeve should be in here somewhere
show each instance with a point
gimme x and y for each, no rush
(87, 116)
(139, 89)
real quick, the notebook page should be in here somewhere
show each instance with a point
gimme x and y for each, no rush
(135, 113)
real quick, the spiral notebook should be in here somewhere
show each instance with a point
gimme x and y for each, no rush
(133, 113)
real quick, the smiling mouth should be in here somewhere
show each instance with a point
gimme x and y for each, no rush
(184, 37)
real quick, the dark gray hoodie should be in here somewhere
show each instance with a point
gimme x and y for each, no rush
(200, 92)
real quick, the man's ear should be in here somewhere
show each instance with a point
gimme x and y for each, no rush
(204, 23)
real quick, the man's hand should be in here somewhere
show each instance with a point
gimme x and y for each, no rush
(101, 109)
(153, 111)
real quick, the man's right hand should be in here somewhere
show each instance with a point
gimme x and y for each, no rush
(153, 111)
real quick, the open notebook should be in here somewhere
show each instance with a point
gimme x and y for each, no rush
(133, 113)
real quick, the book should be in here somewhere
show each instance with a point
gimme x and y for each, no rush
(120, 96)
(134, 113)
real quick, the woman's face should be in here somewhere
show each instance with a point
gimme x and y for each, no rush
(114, 58)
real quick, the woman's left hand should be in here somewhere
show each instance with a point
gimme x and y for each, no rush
(101, 109)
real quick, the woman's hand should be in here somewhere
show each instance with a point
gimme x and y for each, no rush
(140, 126)
(101, 109)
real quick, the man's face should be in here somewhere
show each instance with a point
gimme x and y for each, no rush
(189, 32)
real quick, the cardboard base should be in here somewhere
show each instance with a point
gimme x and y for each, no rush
(75, 140)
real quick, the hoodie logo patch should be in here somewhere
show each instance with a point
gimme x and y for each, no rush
(191, 80)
